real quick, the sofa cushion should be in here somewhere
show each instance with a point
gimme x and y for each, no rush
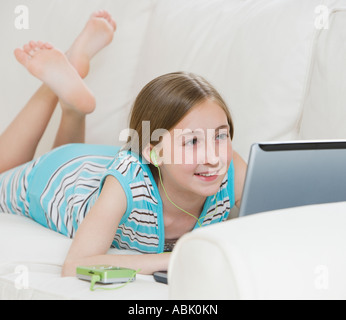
(31, 258)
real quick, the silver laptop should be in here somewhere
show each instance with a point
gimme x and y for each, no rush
(289, 174)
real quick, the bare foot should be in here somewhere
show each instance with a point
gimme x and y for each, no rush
(97, 33)
(52, 67)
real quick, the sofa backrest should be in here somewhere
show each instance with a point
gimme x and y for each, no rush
(278, 64)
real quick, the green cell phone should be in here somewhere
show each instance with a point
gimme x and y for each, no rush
(108, 274)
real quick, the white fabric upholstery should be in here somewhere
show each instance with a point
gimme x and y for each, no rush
(324, 111)
(112, 71)
(296, 253)
(256, 53)
(31, 258)
(278, 68)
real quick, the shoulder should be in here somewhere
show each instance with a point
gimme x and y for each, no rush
(113, 196)
(134, 176)
(128, 168)
(240, 168)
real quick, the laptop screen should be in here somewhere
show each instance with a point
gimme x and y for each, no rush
(290, 174)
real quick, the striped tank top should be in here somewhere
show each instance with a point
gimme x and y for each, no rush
(64, 184)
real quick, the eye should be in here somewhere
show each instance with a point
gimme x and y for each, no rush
(222, 136)
(191, 142)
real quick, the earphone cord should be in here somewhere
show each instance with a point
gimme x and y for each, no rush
(198, 219)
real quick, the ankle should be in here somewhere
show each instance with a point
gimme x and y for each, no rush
(80, 62)
(73, 114)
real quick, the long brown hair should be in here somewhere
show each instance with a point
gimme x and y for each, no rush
(164, 102)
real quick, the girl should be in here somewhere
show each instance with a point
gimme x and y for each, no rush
(143, 196)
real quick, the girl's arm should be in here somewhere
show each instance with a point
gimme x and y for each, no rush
(95, 235)
(240, 168)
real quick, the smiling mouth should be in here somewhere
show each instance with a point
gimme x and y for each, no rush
(207, 177)
(206, 174)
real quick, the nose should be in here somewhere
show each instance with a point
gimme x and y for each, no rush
(210, 154)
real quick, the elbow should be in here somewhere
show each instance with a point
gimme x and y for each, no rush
(69, 269)
(237, 203)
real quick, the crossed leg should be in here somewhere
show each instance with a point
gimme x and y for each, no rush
(62, 76)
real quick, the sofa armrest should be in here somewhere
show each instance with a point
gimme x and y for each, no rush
(296, 253)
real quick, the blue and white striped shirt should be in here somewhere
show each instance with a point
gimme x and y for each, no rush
(64, 184)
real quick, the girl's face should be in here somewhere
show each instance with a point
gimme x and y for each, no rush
(197, 152)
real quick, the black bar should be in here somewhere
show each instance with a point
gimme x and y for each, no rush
(327, 145)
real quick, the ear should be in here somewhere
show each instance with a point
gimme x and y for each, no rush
(146, 153)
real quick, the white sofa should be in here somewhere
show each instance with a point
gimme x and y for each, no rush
(295, 253)
(280, 66)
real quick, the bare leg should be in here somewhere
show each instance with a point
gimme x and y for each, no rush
(52, 67)
(19, 141)
(71, 128)
(97, 33)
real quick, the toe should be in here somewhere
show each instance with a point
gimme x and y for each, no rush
(27, 48)
(113, 23)
(107, 16)
(97, 14)
(33, 44)
(40, 44)
(21, 56)
(34, 47)
(47, 45)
